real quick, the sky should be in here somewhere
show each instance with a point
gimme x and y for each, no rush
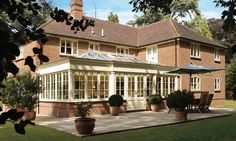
(124, 10)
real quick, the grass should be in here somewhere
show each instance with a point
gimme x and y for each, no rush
(230, 104)
(217, 129)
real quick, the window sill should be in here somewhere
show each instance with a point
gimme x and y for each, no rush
(217, 61)
(217, 91)
(196, 58)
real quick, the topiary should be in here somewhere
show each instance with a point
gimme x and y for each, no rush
(115, 100)
(179, 99)
(155, 99)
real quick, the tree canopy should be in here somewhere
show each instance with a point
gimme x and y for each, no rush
(200, 25)
(178, 8)
(228, 15)
(112, 17)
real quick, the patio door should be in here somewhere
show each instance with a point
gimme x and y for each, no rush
(135, 92)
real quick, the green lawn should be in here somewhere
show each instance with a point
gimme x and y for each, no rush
(217, 129)
(230, 104)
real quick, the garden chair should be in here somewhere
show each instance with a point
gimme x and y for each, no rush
(201, 104)
(208, 102)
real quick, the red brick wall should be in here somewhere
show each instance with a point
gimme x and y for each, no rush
(62, 109)
(107, 48)
(207, 79)
(166, 54)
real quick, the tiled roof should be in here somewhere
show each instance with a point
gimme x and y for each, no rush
(125, 35)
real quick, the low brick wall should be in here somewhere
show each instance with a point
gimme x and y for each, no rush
(66, 109)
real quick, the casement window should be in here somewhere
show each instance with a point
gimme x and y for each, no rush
(217, 84)
(54, 86)
(92, 85)
(69, 47)
(165, 86)
(195, 83)
(140, 88)
(150, 85)
(217, 55)
(120, 84)
(79, 78)
(195, 50)
(152, 55)
(131, 86)
(94, 47)
(104, 82)
(122, 50)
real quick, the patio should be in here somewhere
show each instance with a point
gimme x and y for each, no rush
(126, 121)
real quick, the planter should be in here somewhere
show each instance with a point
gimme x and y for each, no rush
(114, 110)
(180, 115)
(30, 115)
(155, 107)
(85, 125)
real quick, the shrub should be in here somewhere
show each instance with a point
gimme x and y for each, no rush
(155, 99)
(115, 100)
(179, 99)
(83, 109)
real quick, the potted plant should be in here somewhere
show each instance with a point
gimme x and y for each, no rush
(115, 101)
(155, 101)
(179, 100)
(84, 124)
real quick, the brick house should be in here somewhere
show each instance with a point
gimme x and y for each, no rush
(117, 59)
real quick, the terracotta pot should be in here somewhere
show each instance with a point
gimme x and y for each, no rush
(114, 111)
(155, 107)
(85, 125)
(30, 115)
(180, 115)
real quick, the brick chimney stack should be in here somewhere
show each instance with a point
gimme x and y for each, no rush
(77, 9)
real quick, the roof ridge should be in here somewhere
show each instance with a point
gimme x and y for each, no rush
(175, 28)
(153, 23)
(106, 21)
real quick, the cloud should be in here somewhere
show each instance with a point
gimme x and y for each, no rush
(211, 14)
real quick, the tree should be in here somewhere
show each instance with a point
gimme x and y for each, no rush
(113, 18)
(226, 38)
(12, 37)
(231, 74)
(200, 25)
(178, 8)
(228, 15)
(146, 18)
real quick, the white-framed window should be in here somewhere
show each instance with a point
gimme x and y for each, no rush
(140, 88)
(104, 83)
(92, 85)
(69, 47)
(131, 85)
(217, 55)
(195, 83)
(195, 50)
(151, 55)
(122, 50)
(120, 88)
(79, 85)
(217, 84)
(150, 84)
(94, 47)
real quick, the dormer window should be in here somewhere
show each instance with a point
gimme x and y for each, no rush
(217, 55)
(69, 47)
(94, 47)
(195, 50)
(122, 50)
